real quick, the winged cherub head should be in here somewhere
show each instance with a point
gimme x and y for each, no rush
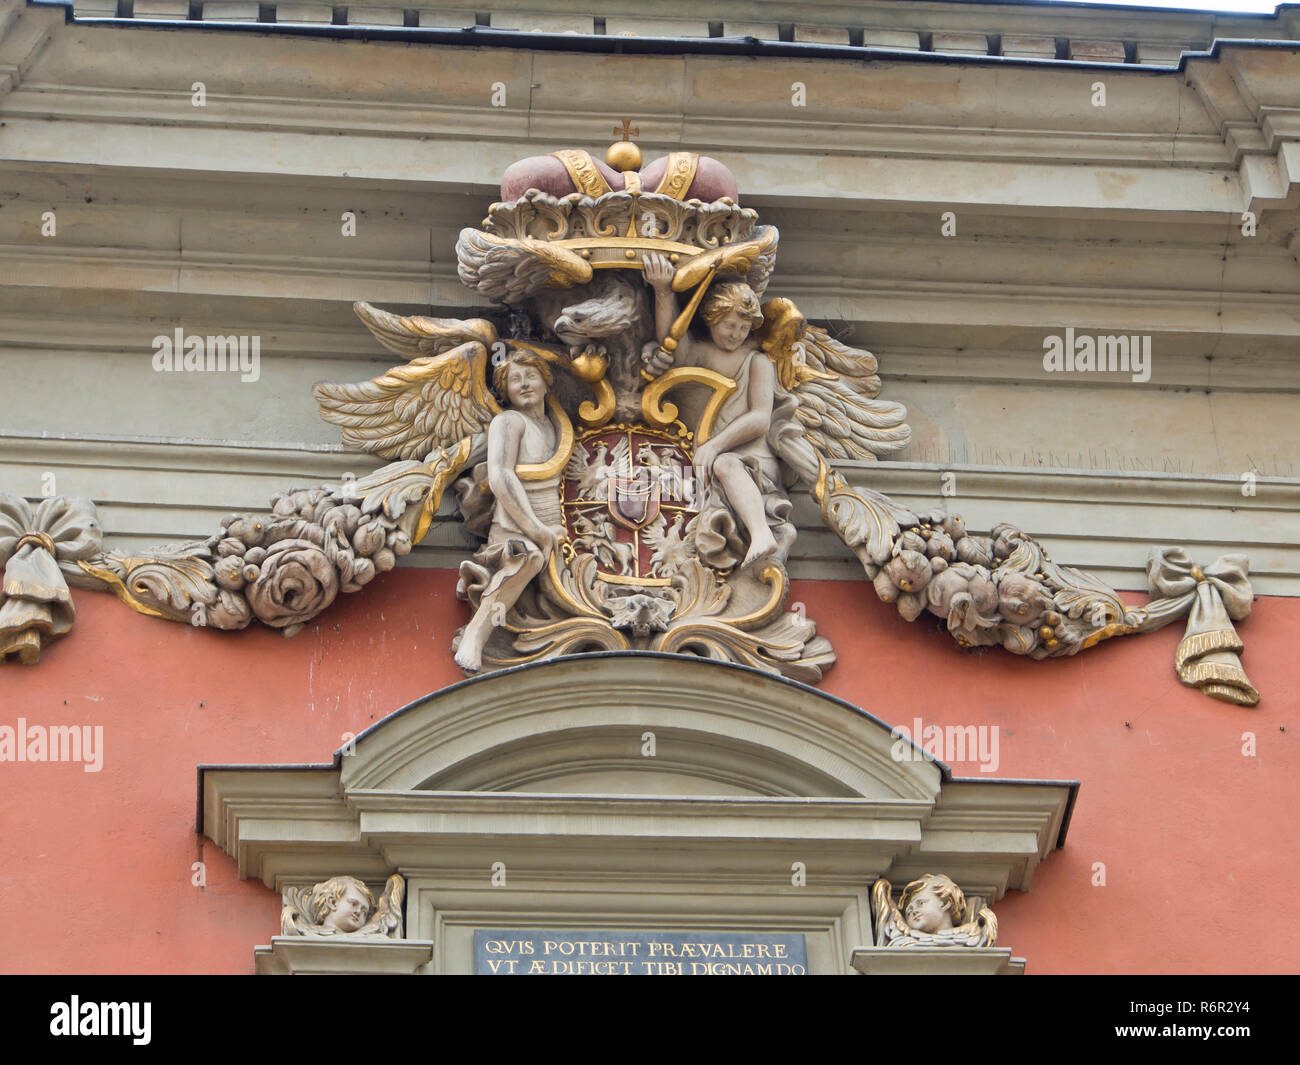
(341, 904)
(932, 903)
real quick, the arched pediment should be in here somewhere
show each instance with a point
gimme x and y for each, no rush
(637, 724)
(547, 763)
(763, 805)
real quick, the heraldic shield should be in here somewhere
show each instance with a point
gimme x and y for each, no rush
(629, 501)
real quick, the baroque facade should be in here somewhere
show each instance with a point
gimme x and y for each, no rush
(783, 481)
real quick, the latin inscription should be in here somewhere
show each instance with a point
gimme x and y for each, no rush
(526, 952)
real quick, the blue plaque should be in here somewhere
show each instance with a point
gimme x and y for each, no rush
(603, 952)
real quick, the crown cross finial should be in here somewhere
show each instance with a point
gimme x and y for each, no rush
(625, 131)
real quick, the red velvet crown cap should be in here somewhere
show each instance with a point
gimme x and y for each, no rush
(548, 173)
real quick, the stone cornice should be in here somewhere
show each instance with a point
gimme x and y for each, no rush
(24, 33)
(284, 825)
(369, 956)
(937, 961)
(781, 129)
(967, 138)
(1014, 125)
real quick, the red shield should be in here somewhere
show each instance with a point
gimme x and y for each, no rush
(633, 503)
(629, 498)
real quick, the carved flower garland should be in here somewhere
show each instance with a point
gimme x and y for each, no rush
(293, 565)
(939, 567)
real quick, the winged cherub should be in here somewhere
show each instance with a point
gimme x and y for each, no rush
(802, 400)
(437, 416)
(528, 523)
(738, 462)
(932, 912)
(343, 906)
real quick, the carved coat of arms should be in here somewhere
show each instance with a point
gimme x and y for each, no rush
(631, 470)
(625, 439)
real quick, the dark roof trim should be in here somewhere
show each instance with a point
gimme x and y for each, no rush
(744, 47)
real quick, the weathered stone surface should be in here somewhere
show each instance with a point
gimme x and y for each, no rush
(810, 34)
(300, 956)
(542, 22)
(375, 16)
(886, 38)
(1023, 47)
(764, 31)
(1097, 51)
(230, 11)
(960, 43)
(162, 9)
(624, 26)
(449, 20)
(311, 13)
(1161, 54)
(937, 961)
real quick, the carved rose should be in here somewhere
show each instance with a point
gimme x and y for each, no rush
(295, 582)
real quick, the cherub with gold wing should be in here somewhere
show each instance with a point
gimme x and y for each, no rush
(439, 406)
(810, 400)
(932, 912)
(431, 414)
(838, 416)
(343, 906)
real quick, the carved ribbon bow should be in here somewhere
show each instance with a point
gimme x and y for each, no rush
(39, 551)
(1215, 596)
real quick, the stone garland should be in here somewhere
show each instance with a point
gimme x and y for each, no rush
(286, 568)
